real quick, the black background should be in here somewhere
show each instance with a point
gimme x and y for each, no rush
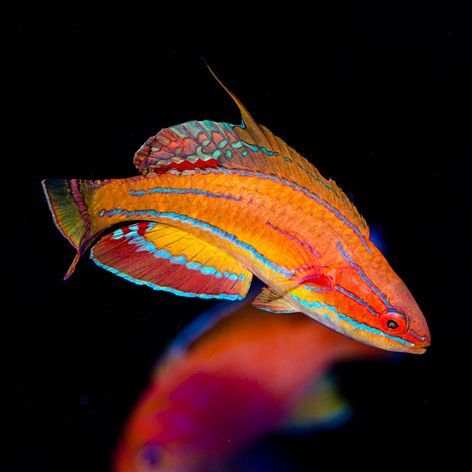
(369, 90)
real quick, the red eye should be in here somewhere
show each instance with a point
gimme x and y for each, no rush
(395, 323)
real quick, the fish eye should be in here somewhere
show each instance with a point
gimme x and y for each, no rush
(149, 458)
(394, 322)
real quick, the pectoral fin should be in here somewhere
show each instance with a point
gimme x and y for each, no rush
(321, 407)
(270, 300)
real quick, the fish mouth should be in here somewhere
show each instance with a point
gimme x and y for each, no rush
(420, 342)
(418, 351)
(419, 348)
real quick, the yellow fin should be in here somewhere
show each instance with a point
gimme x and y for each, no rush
(166, 258)
(322, 406)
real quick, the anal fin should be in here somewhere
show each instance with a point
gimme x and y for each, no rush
(163, 257)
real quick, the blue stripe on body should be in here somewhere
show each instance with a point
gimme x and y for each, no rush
(356, 298)
(220, 127)
(313, 196)
(372, 330)
(362, 275)
(316, 289)
(314, 304)
(181, 191)
(351, 321)
(295, 238)
(201, 225)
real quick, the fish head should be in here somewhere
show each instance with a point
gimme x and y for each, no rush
(145, 445)
(148, 457)
(155, 457)
(183, 423)
(365, 299)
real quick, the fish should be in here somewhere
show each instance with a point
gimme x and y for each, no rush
(216, 204)
(230, 378)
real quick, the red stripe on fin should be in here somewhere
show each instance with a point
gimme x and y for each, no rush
(167, 258)
(183, 147)
(184, 165)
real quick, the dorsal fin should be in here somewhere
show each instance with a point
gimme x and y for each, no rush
(248, 121)
(196, 146)
(262, 137)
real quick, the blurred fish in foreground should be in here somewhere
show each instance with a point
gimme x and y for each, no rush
(227, 381)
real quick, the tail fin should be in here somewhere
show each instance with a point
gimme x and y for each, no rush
(68, 202)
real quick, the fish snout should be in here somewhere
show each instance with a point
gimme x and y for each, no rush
(408, 325)
(415, 329)
(419, 333)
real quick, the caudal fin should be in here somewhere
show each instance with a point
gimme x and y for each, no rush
(68, 202)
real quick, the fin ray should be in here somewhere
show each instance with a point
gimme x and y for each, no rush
(196, 145)
(270, 300)
(167, 258)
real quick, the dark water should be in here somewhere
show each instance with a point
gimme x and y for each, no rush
(370, 91)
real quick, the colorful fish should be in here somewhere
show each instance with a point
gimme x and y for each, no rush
(218, 203)
(216, 393)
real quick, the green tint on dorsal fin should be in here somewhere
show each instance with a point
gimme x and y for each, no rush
(270, 300)
(276, 157)
(321, 407)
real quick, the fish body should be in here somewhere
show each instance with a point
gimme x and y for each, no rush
(218, 203)
(250, 374)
